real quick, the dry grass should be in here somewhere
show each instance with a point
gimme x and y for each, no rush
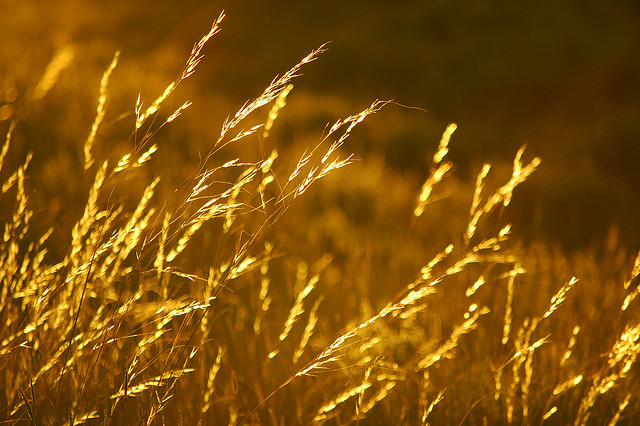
(134, 324)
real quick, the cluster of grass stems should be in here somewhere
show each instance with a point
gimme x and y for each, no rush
(119, 331)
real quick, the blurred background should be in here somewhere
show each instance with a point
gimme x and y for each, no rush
(562, 77)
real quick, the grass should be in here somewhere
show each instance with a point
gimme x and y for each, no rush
(270, 284)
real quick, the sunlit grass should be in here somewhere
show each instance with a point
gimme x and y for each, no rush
(268, 287)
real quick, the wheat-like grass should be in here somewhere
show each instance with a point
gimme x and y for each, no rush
(623, 405)
(308, 330)
(165, 310)
(102, 100)
(438, 170)
(297, 308)
(635, 272)
(5, 145)
(317, 172)
(213, 372)
(272, 92)
(429, 409)
(192, 62)
(281, 102)
(61, 60)
(409, 305)
(126, 163)
(475, 213)
(620, 359)
(447, 348)
(263, 297)
(572, 342)
(506, 330)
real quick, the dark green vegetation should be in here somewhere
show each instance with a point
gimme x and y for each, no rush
(177, 263)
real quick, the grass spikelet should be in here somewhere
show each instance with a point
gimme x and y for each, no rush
(523, 356)
(497, 379)
(129, 236)
(424, 387)
(635, 272)
(517, 360)
(630, 297)
(331, 353)
(475, 213)
(296, 310)
(304, 160)
(61, 60)
(308, 330)
(367, 380)
(427, 270)
(22, 215)
(461, 264)
(621, 408)
(526, 384)
(7, 142)
(267, 177)
(11, 180)
(281, 102)
(506, 330)
(520, 174)
(430, 408)
(209, 293)
(343, 397)
(568, 384)
(559, 297)
(572, 342)
(263, 297)
(102, 100)
(410, 299)
(319, 171)
(550, 413)
(126, 161)
(447, 348)
(145, 156)
(351, 123)
(178, 112)
(444, 143)
(184, 240)
(213, 372)
(242, 265)
(428, 186)
(378, 396)
(277, 86)
(159, 260)
(625, 350)
(192, 62)
(438, 170)
(81, 233)
(153, 383)
(476, 285)
(620, 359)
(245, 177)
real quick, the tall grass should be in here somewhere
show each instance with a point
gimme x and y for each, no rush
(135, 324)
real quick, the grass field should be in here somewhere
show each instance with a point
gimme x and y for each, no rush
(172, 254)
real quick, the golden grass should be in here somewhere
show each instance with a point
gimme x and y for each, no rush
(136, 324)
